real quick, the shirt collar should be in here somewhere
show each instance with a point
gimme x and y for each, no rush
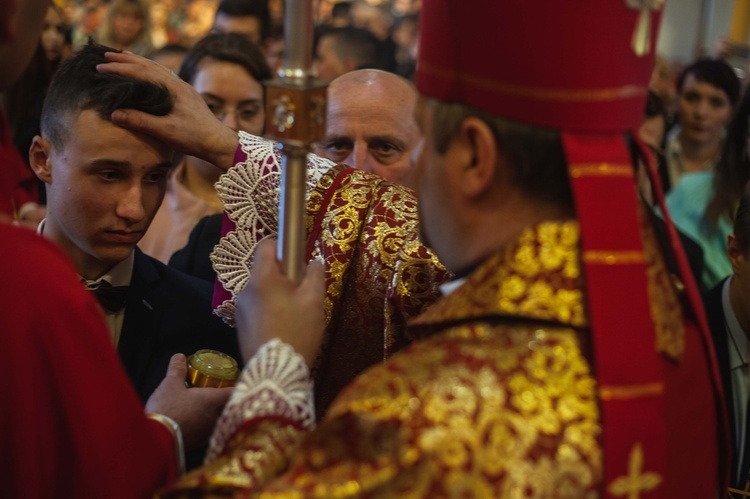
(452, 285)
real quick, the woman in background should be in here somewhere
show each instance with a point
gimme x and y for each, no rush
(126, 26)
(703, 203)
(227, 71)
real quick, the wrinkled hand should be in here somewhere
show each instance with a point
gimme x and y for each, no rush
(274, 306)
(194, 409)
(190, 128)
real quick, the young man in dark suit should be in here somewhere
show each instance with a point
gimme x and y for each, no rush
(728, 313)
(104, 186)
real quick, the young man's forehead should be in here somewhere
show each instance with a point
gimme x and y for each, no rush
(89, 130)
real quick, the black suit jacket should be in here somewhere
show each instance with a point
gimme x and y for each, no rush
(717, 323)
(167, 312)
(194, 259)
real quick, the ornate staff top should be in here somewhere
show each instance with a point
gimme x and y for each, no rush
(295, 117)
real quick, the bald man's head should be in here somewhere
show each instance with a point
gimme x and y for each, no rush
(370, 123)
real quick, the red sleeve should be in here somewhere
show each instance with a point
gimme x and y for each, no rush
(71, 423)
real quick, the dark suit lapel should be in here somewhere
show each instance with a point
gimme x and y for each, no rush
(143, 315)
(717, 324)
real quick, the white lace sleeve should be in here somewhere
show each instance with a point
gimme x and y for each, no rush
(275, 383)
(250, 192)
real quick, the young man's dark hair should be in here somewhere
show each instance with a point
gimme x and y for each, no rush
(226, 47)
(78, 86)
(717, 73)
(248, 8)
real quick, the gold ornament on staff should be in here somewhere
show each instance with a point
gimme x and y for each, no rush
(641, 42)
(295, 117)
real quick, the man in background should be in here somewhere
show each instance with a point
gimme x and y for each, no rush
(370, 123)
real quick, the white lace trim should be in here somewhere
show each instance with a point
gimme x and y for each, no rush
(276, 382)
(250, 192)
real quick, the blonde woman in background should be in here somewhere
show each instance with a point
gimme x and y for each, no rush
(126, 26)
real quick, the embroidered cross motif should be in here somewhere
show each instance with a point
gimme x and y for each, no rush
(641, 42)
(636, 482)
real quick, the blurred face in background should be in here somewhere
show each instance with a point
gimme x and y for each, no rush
(705, 110)
(127, 25)
(248, 26)
(53, 35)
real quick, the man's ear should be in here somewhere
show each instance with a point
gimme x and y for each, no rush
(39, 158)
(735, 254)
(481, 165)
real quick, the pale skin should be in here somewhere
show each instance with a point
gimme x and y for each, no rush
(370, 123)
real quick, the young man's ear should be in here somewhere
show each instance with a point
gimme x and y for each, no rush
(39, 158)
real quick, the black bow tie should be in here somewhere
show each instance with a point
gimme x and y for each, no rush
(111, 298)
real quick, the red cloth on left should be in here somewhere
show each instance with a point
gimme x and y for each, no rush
(17, 183)
(70, 423)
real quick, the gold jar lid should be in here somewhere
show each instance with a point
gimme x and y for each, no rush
(212, 368)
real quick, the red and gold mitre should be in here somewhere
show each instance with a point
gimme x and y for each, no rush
(581, 67)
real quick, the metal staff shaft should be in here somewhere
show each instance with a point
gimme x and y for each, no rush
(295, 116)
(290, 249)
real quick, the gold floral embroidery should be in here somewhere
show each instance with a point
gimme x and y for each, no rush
(453, 415)
(264, 451)
(367, 237)
(537, 277)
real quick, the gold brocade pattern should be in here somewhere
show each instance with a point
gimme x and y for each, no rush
(379, 275)
(536, 277)
(666, 310)
(256, 455)
(497, 400)
(486, 410)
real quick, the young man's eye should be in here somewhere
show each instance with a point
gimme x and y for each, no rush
(109, 174)
(154, 177)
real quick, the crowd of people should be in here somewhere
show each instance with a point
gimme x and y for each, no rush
(517, 284)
